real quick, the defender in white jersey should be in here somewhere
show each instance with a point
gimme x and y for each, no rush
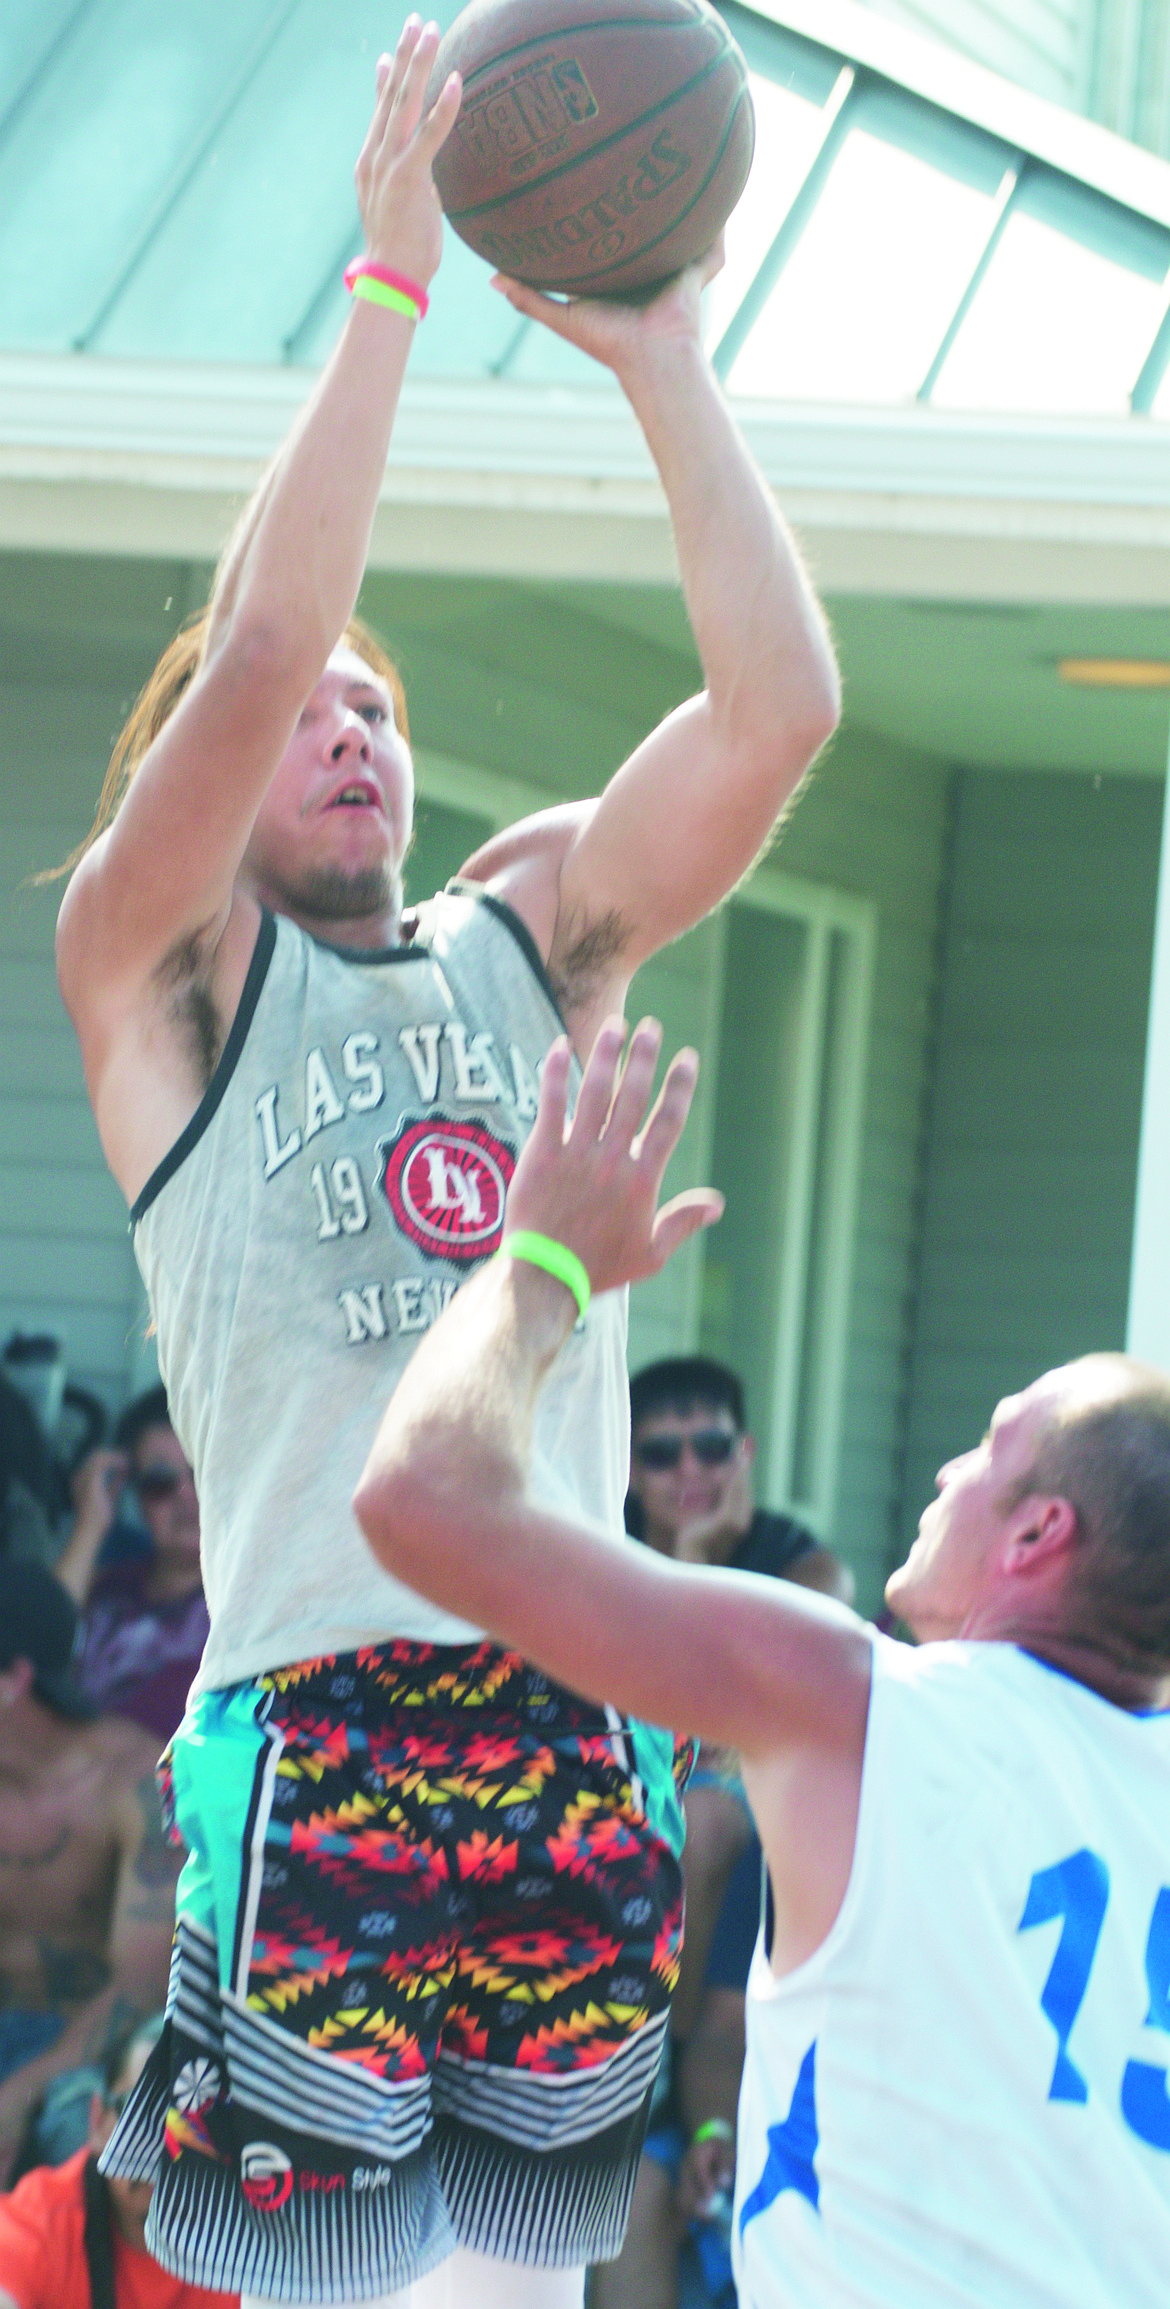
(957, 2085)
(430, 1921)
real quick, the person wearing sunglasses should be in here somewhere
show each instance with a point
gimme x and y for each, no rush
(144, 1615)
(691, 1496)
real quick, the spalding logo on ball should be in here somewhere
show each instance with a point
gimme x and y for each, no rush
(598, 148)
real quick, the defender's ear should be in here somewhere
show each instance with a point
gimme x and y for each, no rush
(1040, 1529)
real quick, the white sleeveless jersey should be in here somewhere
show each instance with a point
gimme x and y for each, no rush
(344, 1173)
(962, 2100)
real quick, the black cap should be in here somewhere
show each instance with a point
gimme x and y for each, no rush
(39, 1622)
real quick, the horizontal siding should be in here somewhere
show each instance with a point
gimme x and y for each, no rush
(66, 1265)
(1037, 1102)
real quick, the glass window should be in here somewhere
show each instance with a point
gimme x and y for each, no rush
(788, 130)
(1067, 309)
(866, 296)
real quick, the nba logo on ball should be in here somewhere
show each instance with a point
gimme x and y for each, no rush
(265, 2176)
(446, 1180)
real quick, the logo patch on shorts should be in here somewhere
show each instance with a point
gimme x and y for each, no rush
(266, 2176)
(197, 2085)
(445, 1179)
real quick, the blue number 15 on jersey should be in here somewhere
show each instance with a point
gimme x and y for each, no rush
(1077, 1889)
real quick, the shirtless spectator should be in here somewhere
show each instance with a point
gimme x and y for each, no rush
(71, 2240)
(691, 1497)
(144, 1618)
(86, 1876)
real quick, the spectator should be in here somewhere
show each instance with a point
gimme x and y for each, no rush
(691, 1497)
(690, 1480)
(71, 2240)
(86, 1876)
(145, 1620)
(682, 2197)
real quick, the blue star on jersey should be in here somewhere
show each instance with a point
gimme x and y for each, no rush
(792, 2147)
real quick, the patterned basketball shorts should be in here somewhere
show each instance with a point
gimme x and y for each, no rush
(427, 1937)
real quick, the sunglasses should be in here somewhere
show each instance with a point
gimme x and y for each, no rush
(712, 1447)
(158, 1482)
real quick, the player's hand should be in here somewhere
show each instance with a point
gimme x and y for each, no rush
(595, 1184)
(97, 1486)
(622, 335)
(707, 2169)
(712, 1537)
(396, 191)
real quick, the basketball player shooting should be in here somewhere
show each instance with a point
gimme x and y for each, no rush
(958, 2015)
(430, 1921)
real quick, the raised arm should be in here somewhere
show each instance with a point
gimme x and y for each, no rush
(753, 1663)
(683, 820)
(162, 877)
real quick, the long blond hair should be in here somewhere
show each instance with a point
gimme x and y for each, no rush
(156, 702)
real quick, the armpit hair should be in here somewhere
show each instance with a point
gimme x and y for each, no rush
(583, 955)
(185, 977)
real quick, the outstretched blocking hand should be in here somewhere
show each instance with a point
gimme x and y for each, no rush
(396, 192)
(617, 333)
(595, 1184)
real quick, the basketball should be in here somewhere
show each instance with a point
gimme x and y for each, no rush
(600, 144)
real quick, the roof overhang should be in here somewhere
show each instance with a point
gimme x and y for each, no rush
(497, 479)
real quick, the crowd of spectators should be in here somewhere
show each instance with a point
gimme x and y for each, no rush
(102, 1623)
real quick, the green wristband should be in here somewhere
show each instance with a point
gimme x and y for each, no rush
(380, 293)
(715, 2129)
(556, 1259)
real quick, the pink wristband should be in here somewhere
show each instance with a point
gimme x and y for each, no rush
(373, 271)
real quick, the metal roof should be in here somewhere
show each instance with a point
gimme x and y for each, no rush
(175, 184)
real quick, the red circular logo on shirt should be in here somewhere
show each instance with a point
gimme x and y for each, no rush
(445, 1182)
(265, 2176)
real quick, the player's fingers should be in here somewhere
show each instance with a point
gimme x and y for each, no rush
(548, 1131)
(677, 1221)
(671, 1108)
(595, 1096)
(552, 311)
(407, 108)
(387, 74)
(637, 1082)
(441, 118)
(389, 86)
(712, 263)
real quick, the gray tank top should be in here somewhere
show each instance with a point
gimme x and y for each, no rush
(344, 1173)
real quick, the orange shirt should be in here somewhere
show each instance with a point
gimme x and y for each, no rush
(42, 2251)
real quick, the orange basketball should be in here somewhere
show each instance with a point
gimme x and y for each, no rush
(600, 144)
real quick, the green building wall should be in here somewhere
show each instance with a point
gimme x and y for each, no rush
(1035, 1105)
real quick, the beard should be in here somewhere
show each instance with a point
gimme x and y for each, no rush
(331, 894)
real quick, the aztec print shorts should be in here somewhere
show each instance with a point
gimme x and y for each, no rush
(427, 1935)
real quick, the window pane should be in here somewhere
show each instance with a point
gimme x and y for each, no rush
(788, 130)
(864, 301)
(754, 1124)
(1067, 310)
